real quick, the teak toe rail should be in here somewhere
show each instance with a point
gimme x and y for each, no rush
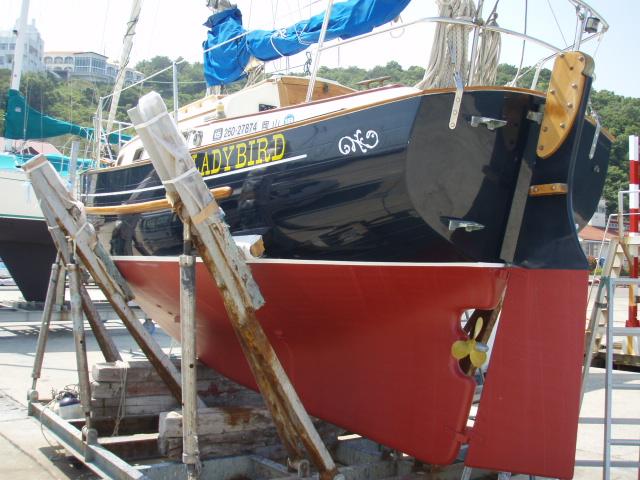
(220, 193)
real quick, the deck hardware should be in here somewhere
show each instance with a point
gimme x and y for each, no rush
(457, 99)
(591, 24)
(490, 123)
(535, 116)
(596, 135)
(547, 189)
(469, 226)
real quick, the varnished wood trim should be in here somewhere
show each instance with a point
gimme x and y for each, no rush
(547, 189)
(219, 193)
(566, 90)
(326, 116)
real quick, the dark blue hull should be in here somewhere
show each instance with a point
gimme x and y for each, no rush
(383, 183)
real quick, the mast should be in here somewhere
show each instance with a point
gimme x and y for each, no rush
(127, 44)
(18, 54)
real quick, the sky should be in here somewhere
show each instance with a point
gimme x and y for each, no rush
(173, 28)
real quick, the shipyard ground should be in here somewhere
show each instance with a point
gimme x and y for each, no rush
(26, 452)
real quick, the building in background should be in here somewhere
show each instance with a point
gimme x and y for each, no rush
(32, 53)
(594, 238)
(89, 66)
(599, 218)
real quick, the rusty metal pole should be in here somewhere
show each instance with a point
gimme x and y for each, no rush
(190, 451)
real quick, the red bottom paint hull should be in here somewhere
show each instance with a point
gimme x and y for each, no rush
(368, 347)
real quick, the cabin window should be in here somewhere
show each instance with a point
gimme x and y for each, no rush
(138, 155)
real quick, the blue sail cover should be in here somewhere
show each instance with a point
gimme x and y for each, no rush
(348, 19)
(226, 63)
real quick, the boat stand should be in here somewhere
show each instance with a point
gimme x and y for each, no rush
(75, 238)
(108, 456)
(201, 216)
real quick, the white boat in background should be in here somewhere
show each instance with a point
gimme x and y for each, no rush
(25, 244)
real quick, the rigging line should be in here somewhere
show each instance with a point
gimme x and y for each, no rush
(595, 52)
(557, 23)
(250, 12)
(524, 43)
(180, 82)
(104, 26)
(493, 10)
(274, 10)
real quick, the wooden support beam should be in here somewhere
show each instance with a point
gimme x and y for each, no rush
(105, 341)
(175, 167)
(188, 371)
(68, 214)
(139, 446)
(228, 430)
(79, 339)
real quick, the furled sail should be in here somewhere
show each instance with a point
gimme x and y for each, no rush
(348, 19)
(24, 123)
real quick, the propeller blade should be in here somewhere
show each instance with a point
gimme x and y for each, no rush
(478, 327)
(477, 358)
(460, 349)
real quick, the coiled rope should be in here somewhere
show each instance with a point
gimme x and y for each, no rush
(449, 52)
(440, 70)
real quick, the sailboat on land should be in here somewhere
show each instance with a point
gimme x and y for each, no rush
(25, 244)
(385, 215)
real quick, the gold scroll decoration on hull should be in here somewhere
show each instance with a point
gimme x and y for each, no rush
(566, 87)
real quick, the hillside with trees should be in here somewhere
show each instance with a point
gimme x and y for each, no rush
(76, 101)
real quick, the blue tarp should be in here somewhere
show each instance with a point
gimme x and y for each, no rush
(348, 19)
(226, 63)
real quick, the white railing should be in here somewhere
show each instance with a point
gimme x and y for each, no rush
(584, 13)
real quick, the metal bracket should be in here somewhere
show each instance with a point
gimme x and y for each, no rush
(535, 116)
(301, 467)
(469, 226)
(596, 135)
(457, 99)
(490, 123)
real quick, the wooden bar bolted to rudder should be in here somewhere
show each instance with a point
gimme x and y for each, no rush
(197, 207)
(63, 212)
